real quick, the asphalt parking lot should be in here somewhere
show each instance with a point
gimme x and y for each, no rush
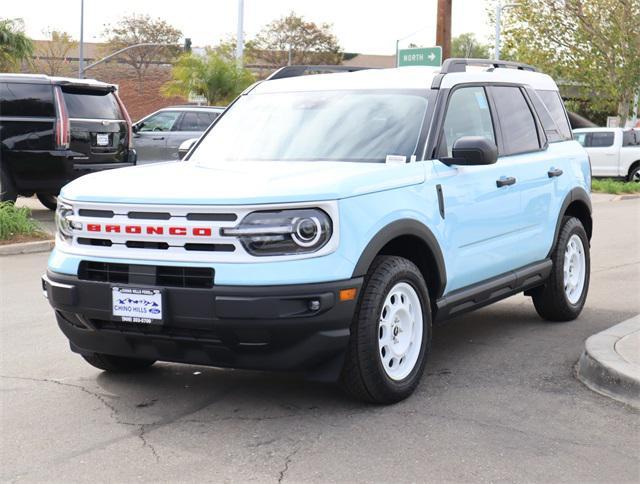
(499, 400)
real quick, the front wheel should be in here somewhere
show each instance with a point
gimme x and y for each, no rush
(565, 292)
(49, 201)
(390, 333)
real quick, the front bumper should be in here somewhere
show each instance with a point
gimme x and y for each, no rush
(249, 327)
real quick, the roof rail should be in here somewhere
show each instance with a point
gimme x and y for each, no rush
(300, 70)
(460, 65)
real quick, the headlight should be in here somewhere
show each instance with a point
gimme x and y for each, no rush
(64, 222)
(283, 232)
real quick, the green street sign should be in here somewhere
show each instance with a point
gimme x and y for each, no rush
(421, 56)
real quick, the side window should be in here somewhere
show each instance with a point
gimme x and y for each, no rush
(554, 104)
(601, 139)
(550, 127)
(20, 99)
(213, 117)
(631, 138)
(468, 114)
(193, 121)
(519, 132)
(163, 121)
(581, 138)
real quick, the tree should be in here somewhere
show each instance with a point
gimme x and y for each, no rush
(141, 29)
(591, 43)
(213, 76)
(293, 40)
(466, 45)
(15, 46)
(52, 54)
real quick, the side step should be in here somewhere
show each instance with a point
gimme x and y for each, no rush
(486, 292)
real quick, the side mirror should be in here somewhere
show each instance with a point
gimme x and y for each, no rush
(136, 127)
(185, 146)
(473, 150)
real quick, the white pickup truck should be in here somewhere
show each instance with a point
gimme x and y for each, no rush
(614, 152)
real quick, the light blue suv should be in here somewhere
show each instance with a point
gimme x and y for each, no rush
(325, 222)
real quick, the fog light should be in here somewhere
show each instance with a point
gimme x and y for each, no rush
(314, 305)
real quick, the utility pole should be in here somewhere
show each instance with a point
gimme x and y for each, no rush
(81, 59)
(443, 29)
(240, 33)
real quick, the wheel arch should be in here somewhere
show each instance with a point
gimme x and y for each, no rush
(577, 204)
(414, 241)
(632, 167)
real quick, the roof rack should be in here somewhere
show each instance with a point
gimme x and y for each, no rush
(300, 70)
(460, 65)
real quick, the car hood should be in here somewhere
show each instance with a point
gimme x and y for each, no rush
(246, 182)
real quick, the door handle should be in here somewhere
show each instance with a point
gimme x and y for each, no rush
(553, 172)
(505, 180)
(158, 138)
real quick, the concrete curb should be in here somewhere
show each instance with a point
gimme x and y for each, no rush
(604, 370)
(27, 247)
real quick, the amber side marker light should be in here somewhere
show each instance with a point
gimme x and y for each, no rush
(348, 294)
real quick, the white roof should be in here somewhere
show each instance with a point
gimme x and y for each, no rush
(589, 130)
(402, 78)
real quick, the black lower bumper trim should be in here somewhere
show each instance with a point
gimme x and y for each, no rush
(302, 327)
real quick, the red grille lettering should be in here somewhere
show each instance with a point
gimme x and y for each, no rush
(177, 231)
(93, 227)
(155, 230)
(112, 228)
(202, 232)
(133, 229)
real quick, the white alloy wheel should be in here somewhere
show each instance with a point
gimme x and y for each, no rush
(574, 269)
(636, 176)
(400, 331)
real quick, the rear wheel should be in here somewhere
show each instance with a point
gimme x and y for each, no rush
(634, 174)
(390, 334)
(7, 190)
(565, 292)
(49, 201)
(116, 364)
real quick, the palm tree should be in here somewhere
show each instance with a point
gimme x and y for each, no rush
(15, 46)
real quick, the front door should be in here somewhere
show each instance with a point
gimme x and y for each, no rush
(150, 141)
(481, 218)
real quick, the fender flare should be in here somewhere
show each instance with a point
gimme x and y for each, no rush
(399, 228)
(577, 194)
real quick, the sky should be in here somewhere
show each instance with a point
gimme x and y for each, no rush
(361, 26)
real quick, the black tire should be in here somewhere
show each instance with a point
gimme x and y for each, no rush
(116, 364)
(8, 191)
(551, 301)
(363, 375)
(634, 174)
(48, 200)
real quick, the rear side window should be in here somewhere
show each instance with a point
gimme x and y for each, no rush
(518, 126)
(554, 104)
(34, 100)
(550, 127)
(91, 103)
(600, 139)
(193, 121)
(631, 138)
(468, 114)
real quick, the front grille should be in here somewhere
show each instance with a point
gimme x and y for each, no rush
(166, 276)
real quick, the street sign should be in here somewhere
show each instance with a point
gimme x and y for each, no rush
(421, 56)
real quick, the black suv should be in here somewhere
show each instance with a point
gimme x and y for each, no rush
(55, 129)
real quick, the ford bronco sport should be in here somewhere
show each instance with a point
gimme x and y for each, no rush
(325, 222)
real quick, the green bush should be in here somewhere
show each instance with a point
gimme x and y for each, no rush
(17, 221)
(607, 185)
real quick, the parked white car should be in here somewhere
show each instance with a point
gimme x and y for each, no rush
(614, 152)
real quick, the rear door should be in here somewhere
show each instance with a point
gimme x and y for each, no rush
(191, 125)
(99, 130)
(150, 141)
(27, 132)
(603, 152)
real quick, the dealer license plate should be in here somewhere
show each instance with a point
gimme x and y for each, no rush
(102, 139)
(137, 305)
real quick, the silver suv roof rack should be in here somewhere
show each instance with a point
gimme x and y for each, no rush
(460, 65)
(300, 70)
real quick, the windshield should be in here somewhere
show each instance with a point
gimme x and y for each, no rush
(364, 126)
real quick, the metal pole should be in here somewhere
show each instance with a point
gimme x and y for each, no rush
(496, 53)
(240, 33)
(397, 54)
(81, 63)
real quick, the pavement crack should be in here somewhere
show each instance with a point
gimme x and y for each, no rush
(287, 461)
(145, 441)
